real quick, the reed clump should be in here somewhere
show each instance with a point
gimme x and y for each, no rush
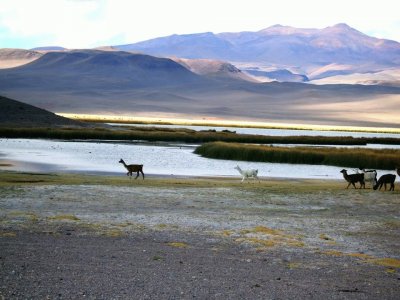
(181, 135)
(386, 159)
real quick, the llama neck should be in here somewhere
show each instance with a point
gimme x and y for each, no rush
(125, 165)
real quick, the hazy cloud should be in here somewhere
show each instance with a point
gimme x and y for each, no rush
(90, 23)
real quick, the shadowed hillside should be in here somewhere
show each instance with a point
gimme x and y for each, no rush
(17, 114)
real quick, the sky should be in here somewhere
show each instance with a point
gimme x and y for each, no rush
(91, 23)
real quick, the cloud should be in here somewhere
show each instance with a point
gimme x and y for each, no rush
(90, 23)
(65, 22)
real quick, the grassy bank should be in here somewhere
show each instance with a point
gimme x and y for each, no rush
(386, 159)
(13, 179)
(182, 135)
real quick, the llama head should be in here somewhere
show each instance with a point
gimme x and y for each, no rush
(344, 171)
(121, 161)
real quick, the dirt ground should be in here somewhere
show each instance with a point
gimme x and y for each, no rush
(100, 237)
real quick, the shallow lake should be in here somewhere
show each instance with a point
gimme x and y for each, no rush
(37, 155)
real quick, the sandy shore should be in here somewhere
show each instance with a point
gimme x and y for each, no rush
(105, 237)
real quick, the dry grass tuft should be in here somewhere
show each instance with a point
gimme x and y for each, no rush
(64, 218)
(386, 262)
(113, 233)
(178, 244)
(8, 234)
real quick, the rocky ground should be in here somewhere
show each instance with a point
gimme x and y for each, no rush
(173, 265)
(197, 238)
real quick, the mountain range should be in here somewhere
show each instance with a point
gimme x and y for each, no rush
(314, 53)
(241, 76)
(336, 54)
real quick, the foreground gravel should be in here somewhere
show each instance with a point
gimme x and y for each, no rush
(181, 239)
(70, 264)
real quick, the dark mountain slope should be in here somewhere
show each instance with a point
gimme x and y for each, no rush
(17, 114)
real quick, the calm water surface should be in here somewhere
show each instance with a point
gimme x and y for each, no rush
(157, 158)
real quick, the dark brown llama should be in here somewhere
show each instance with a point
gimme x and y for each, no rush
(132, 168)
(385, 179)
(354, 178)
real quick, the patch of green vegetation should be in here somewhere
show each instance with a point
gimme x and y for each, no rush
(28, 216)
(178, 244)
(324, 237)
(392, 224)
(157, 258)
(266, 230)
(360, 255)
(386, 262)
(386, 159)
(267, 237)
(333, 253)
(8, 234)
(258, 241)
(161, 226)
(123, 225)
(294, 265)
(64, 218)
(390, 270)
(227, 232)
(113, 233)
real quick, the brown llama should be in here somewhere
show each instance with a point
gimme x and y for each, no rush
(132, 168)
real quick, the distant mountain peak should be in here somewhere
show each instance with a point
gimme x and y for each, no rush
(49, 48)
(342, 25)
(342, 28)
